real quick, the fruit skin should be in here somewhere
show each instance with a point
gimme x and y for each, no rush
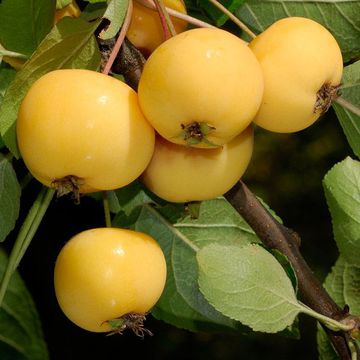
(178, 173)
(298, 56)
(85, 124)
(69, 10)
(201, 75)
(145, 30)
(102, 274)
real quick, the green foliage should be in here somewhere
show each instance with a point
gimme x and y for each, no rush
(115, 13)
(7, 75)
(325, 349)
(285, 263)
(9, 198)
(24, 23)
(219, 17)
(343, 286)
(249, 285)
(20, 331)
(339, 16)
(57, 51)
(342, 190)
(182, 237)
(130, 199)
(180, 251)
(350, 91)
(62, 3)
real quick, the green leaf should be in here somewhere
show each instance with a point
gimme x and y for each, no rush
(248, 284)
(70, 44)
(343, 285)
(218, 221)
(325, 349)
(24, 23)
(115, 13)
(338, 16)
(215, 14)
(60, 4)
(350, 91)
(352, 287)
(20, 329)
(180, 243)
(334, 282)
(181, 296)
(130, 200)
(286, 265)
(173, 309)
(9, 198)
(342, 190)
(93, 11)
(7, 75)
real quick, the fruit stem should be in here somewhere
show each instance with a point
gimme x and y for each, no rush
(106, 208)
(348, 105)
(166, 23)
(119, 39)
(25, 235)
(191, 20)
(237, 21)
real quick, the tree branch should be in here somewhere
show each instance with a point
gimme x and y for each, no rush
(273, 235)
(276, 236)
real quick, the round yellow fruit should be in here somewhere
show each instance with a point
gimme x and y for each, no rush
(180, 173)
(201, 88)
(83, 127)
(107, 273)
(145, 30)
(302, 66)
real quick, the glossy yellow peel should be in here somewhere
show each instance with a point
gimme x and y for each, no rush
(179, 173)
(84, 124)
(102, 274)
(298, 57)
(204, 76)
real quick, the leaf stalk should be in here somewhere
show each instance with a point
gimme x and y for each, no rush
(348, 105)
(190, 19)
(25, 235)
(232, 17)
(166, 23)
(119, 39)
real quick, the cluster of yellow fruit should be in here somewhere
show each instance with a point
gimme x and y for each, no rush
(82, 131)
(202, 88)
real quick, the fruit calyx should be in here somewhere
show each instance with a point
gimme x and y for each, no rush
(196, 133)
(325, 96)
(69, 184)
(131, 321)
